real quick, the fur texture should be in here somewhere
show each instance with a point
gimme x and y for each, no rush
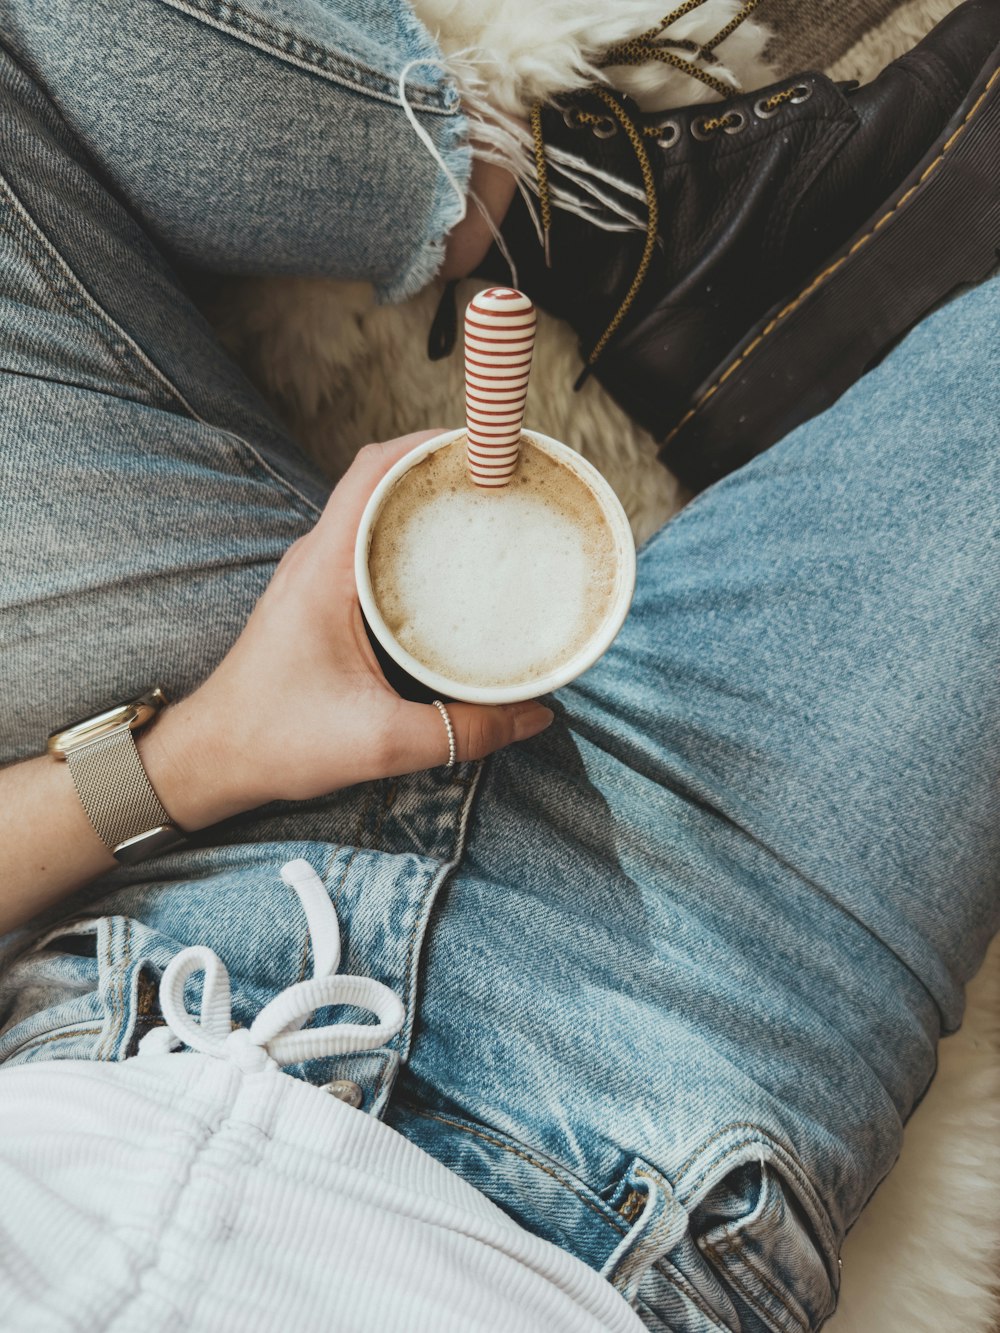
(924, 1256)
(520, 61)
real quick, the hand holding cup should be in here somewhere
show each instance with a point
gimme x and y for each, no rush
(494, 564)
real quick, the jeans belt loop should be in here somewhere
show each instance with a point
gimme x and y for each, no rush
(658, 1228)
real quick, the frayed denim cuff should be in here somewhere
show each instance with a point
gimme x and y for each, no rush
(444, 209)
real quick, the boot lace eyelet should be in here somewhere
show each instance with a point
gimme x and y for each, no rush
(667, 134)
(604, 128)
(801, 93)
(571, 118)
(764, 112)
(731, 123)
(641, 50)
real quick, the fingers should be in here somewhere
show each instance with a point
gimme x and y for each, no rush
(421, 738)
(338, 524)
(480, 730)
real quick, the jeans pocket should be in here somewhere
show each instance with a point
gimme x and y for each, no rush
(622, 1232)
(86, 990)
(758, 1228)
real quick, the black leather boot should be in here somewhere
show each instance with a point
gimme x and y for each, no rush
(797, 233)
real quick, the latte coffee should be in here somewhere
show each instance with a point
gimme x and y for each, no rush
(493, 587)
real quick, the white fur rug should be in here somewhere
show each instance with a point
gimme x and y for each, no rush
(925, 1256)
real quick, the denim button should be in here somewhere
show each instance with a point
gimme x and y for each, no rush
(345, 1091)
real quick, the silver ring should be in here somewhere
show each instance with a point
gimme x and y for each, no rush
(446, 719)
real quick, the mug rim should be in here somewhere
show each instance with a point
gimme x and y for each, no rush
(574, 666)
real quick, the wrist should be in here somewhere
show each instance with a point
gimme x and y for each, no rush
(186, 757)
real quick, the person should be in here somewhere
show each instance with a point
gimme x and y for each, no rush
(656, 987)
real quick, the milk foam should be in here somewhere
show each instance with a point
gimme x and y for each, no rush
(492, 587)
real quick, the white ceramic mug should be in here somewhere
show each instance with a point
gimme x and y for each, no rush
(575, 665)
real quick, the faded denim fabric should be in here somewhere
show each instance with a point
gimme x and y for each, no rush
(259, 136)
(674, 971)
(757, 858)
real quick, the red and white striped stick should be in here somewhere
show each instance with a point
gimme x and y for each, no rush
(499, 339)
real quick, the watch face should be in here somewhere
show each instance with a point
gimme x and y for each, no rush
(131, 715)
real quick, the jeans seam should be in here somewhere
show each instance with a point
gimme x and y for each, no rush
(769, 1317)
(714, 1138)
(304, 961)
(677, 1279)
(418, 931)
(110, 1020)
(798, 1175)
(131, 351)
(63, 1035)
(609, 1216)
(229, 17)
(384, 805)
(118, 1005)
(71, 296)
(528, 1157)
(809, 1199)
(342, 877)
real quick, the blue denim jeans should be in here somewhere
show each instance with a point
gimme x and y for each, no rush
(675, 971)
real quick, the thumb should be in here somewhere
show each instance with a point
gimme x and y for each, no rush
(479, 730)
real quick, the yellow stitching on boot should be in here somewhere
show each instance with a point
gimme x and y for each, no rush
(833, 268)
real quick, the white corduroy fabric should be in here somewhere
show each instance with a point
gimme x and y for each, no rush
(185, 1192)
(208, 1190)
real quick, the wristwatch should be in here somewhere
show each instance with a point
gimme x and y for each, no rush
(111, 782)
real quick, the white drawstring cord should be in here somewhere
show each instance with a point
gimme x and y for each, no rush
(461, 195)
(426, 139)
(277, 1031)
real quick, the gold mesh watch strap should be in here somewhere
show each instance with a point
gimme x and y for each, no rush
(114, 789)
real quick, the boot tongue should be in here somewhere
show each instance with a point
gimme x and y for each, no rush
(590, 268)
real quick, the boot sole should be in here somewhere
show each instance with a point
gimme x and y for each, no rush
(812, 347)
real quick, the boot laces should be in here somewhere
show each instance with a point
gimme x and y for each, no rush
(650, 45)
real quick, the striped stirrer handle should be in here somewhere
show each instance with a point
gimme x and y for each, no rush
(499, 338)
